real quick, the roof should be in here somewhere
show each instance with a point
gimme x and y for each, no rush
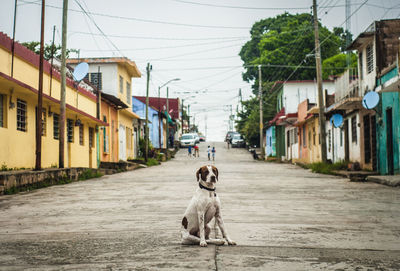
(32, 58)
(276, 117)
(278, 84)
(111, 98)
(159, 103)
(124, 61)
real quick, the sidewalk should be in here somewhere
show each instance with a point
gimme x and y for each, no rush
(390, 180)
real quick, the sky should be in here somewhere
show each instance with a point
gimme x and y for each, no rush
(197, 41)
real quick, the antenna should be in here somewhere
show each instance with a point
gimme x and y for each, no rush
(80, 71)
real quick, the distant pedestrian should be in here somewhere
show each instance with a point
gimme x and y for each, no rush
(213, 153)
(209, 152)
(196, 151)
(190, 151)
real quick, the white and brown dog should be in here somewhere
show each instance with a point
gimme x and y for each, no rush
(204, 206)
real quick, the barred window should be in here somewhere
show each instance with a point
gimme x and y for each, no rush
(121, 84)
(105, 137)
(81, 134)
(370, 58)
(128, 93)
(96, 80)
(56, 126)
(91, 134)
(70, 130)
(296, 138)
(304, 137)
(354, 129)
(21, 115)
(2, 99)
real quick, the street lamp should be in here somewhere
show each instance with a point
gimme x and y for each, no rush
(159, 117)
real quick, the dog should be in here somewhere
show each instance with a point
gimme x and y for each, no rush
(204, 206)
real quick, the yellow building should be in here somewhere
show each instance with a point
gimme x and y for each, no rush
(113, 76)
(314, 139)
(18, 103)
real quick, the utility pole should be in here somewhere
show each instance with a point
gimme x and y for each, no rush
(39, 116)
(146, 130)
(319, 83)
(167, 121)
(63, 86)
(182, 116)
(188, 118)
(261, 113)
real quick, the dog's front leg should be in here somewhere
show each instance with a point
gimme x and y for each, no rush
(221, 225)
(200, 215)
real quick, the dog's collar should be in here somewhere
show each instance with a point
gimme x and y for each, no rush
(206, 188)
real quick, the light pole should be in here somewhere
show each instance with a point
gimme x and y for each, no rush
(159, 111)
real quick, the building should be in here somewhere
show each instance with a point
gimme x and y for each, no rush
(18, 103)
(153, 117)
(160, 104)
(113, 76)
(378, 52)
(290, 95)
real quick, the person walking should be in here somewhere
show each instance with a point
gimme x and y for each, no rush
(190, 151)
(196, 151)
(213, 153)
(209, 152)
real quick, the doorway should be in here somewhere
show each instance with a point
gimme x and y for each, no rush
(389, 141)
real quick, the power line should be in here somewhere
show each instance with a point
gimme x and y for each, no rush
(145, 20)
(240, 7)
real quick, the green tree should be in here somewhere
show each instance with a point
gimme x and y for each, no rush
(337, 64)
(279, 42)
(49, 50)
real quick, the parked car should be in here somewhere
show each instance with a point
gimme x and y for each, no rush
(187, 140)
(230, 135)
(196, 136)
(202, 138)
(237, 141)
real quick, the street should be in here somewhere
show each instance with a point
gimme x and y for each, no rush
(281, 216)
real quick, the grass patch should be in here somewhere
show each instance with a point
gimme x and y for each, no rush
(326, 168)
(89, 174)
(150, 161)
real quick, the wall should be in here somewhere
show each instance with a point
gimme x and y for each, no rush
(296, 92)
(18, 147)
(368, 80)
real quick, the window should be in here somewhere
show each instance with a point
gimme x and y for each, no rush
(341, 138)
(360, 60)
(44, 118)
(296, 138)
(367, 139)
(2, 99)
(354, 129)
(70, 130)
(313, 136)
(309, 138)
(304, 137)
(56, 126)
(128, 93)
(81, 134)
(96, 80)
(370, 58)
(288, 138)
(329, 140)
(21, 115)
(91, 134)
(121, 84)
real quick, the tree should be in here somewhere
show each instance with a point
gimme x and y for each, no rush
(336, 65)
(281, 43)
(48, 49)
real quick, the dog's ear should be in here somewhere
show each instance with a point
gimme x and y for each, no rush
(198, 174)
(215, 172)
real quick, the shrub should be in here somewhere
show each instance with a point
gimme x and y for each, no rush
(326, 168)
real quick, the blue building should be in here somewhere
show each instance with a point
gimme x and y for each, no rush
(140, 108)
(270, 136)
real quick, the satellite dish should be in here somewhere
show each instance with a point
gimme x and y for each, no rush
(80, 71)
(337, 120)
(370, 100)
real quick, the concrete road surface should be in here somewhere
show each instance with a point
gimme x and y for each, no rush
(282, 217)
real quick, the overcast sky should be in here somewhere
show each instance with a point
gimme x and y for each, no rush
(197, 41)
